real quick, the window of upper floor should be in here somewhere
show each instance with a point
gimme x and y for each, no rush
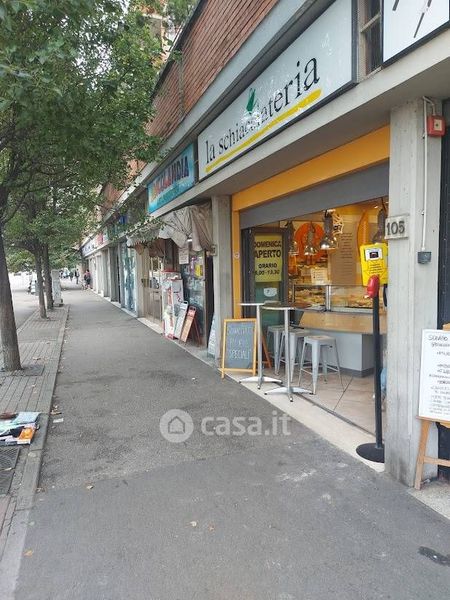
(370, 35)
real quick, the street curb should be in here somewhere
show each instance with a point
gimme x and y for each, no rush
(15, 538)
(33, 462)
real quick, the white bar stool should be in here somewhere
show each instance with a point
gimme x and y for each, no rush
(296, 336)
(276, 331)
(320, 346)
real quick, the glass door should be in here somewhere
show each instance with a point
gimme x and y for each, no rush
(265, 274)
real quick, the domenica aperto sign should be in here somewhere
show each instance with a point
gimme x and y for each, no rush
(314, 67)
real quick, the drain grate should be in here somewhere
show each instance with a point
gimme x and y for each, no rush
(8, 457)
(8, 461)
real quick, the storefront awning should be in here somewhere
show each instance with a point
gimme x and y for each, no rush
(193, 222)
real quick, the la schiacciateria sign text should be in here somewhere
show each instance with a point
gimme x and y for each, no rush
(316, 66)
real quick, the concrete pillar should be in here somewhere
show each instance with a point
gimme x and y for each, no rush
(140, 290)
(412, 292)
(114, 294)
(223, 290)
(106, 279)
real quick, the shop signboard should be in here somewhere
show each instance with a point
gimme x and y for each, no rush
(314, 68)
(174, 180)
(374, 262)
(434, 399)
(407, 22)
(268, 257)
(239, 345)
(182, 311)
(212, 338)
(89, 247)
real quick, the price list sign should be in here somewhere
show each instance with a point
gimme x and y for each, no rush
(434, 400)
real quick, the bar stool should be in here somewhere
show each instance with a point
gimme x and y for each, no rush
(320, 346)
(276, 332)
(295, 337)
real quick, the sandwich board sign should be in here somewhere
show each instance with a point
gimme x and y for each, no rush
(239, 345)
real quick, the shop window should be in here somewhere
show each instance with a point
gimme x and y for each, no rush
(369, 19)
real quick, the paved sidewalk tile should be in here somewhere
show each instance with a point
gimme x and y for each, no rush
(20, 391)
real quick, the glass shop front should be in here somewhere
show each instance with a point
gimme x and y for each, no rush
(312, 261)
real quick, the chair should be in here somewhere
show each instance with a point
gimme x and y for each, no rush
(275, 331)
(295, 337)
(320, 346)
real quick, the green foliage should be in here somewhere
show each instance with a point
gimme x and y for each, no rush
(75, 83)
(19, 260)
(178, 11)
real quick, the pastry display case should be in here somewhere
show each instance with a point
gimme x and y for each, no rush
(308, 296)
(336, 298)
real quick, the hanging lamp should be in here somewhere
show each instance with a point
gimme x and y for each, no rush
(329, 240)
(310, 248)
(293, 246)
(381, 223)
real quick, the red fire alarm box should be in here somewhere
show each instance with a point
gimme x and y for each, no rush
(435, 125)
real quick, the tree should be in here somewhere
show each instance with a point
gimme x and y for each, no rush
(75, 83)
(178, 11)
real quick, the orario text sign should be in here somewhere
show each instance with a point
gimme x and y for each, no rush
(315, 66)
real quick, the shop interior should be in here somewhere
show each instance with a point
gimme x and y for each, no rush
(323, 281)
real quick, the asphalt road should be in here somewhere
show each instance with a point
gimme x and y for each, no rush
(123, 513)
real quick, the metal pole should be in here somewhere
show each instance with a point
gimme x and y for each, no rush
(377, 368)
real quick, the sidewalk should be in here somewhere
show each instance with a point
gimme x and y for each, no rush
(124, 513)
(40, 343)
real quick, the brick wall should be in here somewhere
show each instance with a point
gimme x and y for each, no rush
(214, 38)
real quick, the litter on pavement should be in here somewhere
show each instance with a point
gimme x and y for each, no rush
(18, 428)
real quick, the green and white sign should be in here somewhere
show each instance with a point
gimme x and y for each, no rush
(177, 177)
(316, 66)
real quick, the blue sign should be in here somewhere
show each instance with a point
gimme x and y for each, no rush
(177, 177)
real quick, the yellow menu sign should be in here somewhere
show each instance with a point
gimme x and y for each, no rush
(268, 257)
(374, 262)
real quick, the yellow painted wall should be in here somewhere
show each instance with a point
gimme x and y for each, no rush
(359, 154)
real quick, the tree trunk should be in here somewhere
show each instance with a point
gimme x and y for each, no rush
(10, 345)
(48, 277)
(40, 283)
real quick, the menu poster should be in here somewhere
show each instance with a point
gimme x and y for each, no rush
(434, 399)
(344, 260)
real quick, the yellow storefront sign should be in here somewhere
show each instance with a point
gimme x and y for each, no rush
(374, 262)
(268, 257)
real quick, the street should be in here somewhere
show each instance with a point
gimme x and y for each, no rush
(121, 512)
(24, 303)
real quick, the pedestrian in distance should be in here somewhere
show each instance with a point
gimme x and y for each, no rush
(87, 279)
(77, 276)
(71, 276)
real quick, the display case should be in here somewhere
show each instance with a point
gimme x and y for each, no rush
(308, 296)
(193, 274)
(350, 298)
(336, 298)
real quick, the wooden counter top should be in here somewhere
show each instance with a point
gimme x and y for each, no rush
(345, 322)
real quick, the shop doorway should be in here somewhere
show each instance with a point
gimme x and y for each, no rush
(155, 266)
(318, 272)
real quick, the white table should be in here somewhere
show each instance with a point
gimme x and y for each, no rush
(288, 388)
(260, 378)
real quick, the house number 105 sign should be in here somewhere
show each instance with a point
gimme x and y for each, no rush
(396, 227)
